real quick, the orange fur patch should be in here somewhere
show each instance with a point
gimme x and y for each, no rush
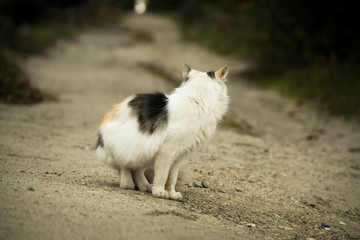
(111, 115)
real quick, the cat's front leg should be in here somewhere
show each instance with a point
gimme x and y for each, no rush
(172, 179)
(160, 192)
(162, 166)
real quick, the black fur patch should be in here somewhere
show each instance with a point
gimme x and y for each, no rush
(100, 141)
(211, 74)
(150, 110)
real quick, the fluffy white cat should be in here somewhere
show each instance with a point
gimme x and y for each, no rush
(158, 130)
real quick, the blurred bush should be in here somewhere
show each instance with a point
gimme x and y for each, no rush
(28, 27)
(281, 33)
(306, 49)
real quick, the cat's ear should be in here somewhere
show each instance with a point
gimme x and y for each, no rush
(222, 72)
(185, 72)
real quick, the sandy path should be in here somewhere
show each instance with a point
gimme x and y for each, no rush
(274, 183)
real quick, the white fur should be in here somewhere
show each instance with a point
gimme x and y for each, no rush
(194, 110)
(126, 145)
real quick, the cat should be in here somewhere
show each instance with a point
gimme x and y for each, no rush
(158, 130)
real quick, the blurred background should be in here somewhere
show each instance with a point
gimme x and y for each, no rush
(308, 50)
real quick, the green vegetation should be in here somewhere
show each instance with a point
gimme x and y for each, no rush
(335, 91)
(242, 126)
(30, 27)
(304, 49)
(35, 39)
(15, 86)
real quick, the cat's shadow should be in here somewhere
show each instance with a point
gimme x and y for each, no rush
(115, 185)
(108, 184)
(112, 185)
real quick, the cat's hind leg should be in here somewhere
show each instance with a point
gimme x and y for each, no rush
(141, 181)
(126, 180)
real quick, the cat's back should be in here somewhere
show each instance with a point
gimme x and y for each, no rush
(191, 121)
(134, 129)
(149, 111)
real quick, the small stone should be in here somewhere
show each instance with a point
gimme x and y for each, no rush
(204, 184)
(286, 228)
(297, 237)
(31, 189)
(221, 190)
(83, 214)
(352, 236)
(238, 190)
(325, 225)
(251, 225)
(195, 184)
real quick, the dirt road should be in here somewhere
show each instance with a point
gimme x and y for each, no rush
(281, 171)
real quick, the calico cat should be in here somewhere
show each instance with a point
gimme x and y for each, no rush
(158, 130)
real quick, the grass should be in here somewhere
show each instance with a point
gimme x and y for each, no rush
(242, 126)
(35, 39)
(222, 41)
(15, 85)
(332, 89)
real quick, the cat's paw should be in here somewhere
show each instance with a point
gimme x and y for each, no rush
(127, 186)
(145, 188)
(160, 193)
(175, 195)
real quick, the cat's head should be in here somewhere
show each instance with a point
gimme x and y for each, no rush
(218, 76)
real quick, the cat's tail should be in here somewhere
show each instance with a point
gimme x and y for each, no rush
(101, 154)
